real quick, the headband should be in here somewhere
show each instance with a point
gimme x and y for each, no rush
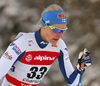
(54, 17)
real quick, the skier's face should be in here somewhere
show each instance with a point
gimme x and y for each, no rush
(49, 35)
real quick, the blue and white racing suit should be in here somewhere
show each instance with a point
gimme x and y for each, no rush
(28, 58)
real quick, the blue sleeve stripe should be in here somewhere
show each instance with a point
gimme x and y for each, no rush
(72, 77)
(20, 56)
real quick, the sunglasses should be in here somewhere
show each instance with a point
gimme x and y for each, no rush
(56, 29)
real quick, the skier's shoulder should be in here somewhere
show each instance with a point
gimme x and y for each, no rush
(61, 43)
(24, 35)
(63, 46)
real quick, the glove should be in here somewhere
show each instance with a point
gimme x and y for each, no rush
(85, 59)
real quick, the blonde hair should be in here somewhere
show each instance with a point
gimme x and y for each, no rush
(49, 8)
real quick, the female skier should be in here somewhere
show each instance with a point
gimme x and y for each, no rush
(29, 57)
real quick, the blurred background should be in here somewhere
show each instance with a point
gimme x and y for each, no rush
(84, 32)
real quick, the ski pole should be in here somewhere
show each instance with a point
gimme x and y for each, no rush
(82, 68)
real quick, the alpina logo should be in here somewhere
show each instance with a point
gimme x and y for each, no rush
(28, 58)
(44, 58)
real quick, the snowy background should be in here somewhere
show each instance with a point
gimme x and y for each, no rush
(84, 32)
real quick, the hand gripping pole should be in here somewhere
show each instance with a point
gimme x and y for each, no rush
(82, 67)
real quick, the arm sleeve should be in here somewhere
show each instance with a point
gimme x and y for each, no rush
(15, 49)
(70, 75)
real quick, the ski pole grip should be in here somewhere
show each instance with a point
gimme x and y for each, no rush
(82, 65)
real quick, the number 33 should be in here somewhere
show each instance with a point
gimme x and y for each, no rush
(33, 74)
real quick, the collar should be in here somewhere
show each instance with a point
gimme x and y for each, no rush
(40, 42)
